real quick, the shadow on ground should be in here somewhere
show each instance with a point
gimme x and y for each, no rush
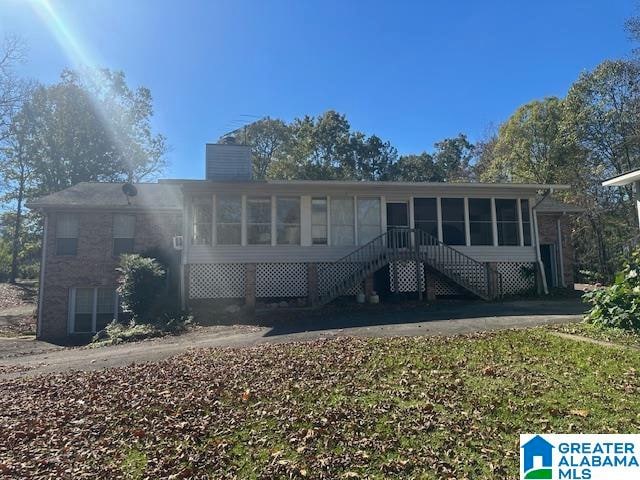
(390, 314)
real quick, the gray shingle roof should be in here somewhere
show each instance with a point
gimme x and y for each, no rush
(551, 205)
(155, 196)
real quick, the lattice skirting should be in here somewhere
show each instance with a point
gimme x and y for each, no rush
(329, 273)
(443, 288)
(517, 277)
(406, 276)
(217, 280)
(281, 280)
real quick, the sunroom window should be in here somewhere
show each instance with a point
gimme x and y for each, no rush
(480, 222)
(342, 221)
(526, 222)
(369, 224)
(453, 223)
(202, 219)
(507, 222)
(319, 221)
(229, 220)
(426, 215)
(259, 220)
(288, 220)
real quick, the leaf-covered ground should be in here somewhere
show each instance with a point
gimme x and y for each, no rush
(431, 408)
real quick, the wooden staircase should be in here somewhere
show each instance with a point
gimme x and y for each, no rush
(414, 245)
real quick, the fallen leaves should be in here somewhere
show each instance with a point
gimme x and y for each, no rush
(448, 408)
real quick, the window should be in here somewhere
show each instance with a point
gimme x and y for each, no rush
(123, 233)
(319, 221)
(342, 221)
(288, 220)
(66, 234)
(229, 220)
(480, 223)
(259, 220)
(369, 224)
(202, 218)
(425, 214)
(453, 228)
(92, 309)
(507, 221)
(526, 222)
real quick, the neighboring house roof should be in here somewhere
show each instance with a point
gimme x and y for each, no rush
(623, 179)
(156, 196)
(551, 205)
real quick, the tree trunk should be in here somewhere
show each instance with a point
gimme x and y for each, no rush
(15, 250)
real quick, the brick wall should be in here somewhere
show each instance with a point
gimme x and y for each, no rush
(94, 265)
(548, 232)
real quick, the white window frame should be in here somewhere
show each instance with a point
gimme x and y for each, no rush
(119, 236)
(216, 203)
(59, 236)
(326, 224)
(94, 311)
(275, 219)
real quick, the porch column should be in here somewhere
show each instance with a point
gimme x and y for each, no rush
(312, 284)
(430, 285)
(493, 282)
(368, 285)
(250, 286)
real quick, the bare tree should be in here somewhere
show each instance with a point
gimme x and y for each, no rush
(13, 89)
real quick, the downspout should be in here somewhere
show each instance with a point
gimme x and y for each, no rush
(43, 264)
(534, 212)
(560, 249)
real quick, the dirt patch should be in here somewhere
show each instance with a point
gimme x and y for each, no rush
(18, 295)
(17, 309)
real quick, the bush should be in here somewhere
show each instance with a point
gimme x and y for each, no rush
(618, 306)
(142, 287)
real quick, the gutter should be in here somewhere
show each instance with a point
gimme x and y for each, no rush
(534, 212)
(43, 264)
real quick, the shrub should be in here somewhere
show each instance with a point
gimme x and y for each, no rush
(142, 287)
(618, 305)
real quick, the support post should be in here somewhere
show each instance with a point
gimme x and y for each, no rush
(368, 285)
(419, 286)
(250, 287)
(394, 271)
(492, 280)
(430, 284)
(312, 284)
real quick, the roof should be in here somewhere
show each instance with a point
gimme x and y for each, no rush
(156, 196)
(622, 179)
(551, 205)
(348, 183)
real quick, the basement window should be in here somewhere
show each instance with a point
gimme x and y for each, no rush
(92, 309)
(124, 227)
(66, 234)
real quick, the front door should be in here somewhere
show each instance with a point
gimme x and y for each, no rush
(548, 256)
(397, 218)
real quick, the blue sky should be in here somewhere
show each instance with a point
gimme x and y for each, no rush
(411, 72)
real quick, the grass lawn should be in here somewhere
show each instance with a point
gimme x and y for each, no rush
(429, 408)
(613, 335)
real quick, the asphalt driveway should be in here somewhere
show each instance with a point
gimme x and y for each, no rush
(26, 356)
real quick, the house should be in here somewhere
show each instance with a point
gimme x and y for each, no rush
(230, 238)
(629, 178)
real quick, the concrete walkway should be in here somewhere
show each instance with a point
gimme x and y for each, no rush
(25, 356)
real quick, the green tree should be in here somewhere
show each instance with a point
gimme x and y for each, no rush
(91, 126)
(417, 168)
(531, 146)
